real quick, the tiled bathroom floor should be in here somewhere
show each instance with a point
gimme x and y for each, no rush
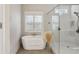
(45, 51)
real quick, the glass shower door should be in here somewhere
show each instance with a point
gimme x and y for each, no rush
(69, 38)
(55, 28)
(65, 37)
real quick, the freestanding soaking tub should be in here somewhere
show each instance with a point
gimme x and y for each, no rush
(33, 42)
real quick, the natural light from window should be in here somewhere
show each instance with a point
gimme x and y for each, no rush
(33, 23)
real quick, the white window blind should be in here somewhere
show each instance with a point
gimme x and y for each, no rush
(29, 23)
(38, 23)
(33, 23)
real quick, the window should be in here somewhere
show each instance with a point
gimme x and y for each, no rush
(55, 22)
(38, 23)
(33, 23)
(29, 23)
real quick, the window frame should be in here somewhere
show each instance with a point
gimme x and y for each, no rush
(34, 14)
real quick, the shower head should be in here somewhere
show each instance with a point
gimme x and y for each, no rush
(77, 13)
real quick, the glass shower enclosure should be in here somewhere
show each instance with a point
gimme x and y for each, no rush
(64, 26)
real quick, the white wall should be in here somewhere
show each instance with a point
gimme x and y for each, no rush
(11, 28)
(15, 27)
(6, 29)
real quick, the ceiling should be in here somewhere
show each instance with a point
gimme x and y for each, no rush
(38, 7)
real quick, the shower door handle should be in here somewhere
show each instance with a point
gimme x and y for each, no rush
(0, 25)
(59, 28)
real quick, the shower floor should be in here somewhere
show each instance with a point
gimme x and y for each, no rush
(67, 43)
(44, 51)
(66, 48)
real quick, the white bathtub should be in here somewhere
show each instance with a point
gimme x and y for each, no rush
(33, 42)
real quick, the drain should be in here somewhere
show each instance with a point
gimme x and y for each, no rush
(68, 46)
